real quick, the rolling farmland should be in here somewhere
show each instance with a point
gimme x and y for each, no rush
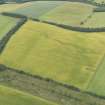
(52, 52)
(71, 13)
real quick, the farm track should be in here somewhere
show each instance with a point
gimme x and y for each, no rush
(46, 88)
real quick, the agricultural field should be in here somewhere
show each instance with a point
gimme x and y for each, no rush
(69, 14)
(52, 53)
(6, 23)
(96, 17)
(38, 8)
(97, 85)
(99, 1)
(13, 7)
(19, 98)
(66, 13)
(59, 52)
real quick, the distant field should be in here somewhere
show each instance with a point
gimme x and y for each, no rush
(6, 23)
(96, 20)
(12, 7)
(99, 1)
(63, 12)
(10, 96)
(70, 14)
(38, 8)
(66, 56)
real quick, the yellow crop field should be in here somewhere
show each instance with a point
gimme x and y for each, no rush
(66, 56)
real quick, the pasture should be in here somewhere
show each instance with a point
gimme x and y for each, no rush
(6, 23)
(66, 56)
(38, 8)
(95, 20)
(63, 12)
(69, 14)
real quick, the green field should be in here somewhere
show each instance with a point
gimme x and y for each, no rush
(69, 14)
(66, 56)
(60, 12)
(9, 96)
(38, 8)
(99, 1)
(6, 23)
(95, 20)
(97, 85)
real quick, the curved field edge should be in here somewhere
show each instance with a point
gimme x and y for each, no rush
(69, 13)
(98, 92)
(99, 87)
(68, 27)
(43, 50)
(6, 24)
(10, 96)
(72, 15)
(40, 16)
(19, 21)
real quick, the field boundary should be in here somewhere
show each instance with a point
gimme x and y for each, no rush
(47, 88)
(62, 93)
(68, 27)
(81, 1)
(8, 35)
(98, 66)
